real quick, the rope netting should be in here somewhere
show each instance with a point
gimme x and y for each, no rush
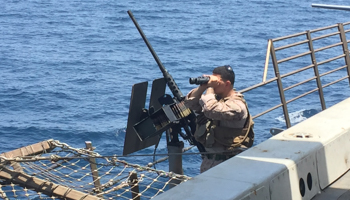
(54, 170)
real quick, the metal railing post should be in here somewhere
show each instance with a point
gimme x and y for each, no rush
(280, 86)
(345, 47)
(317, 74)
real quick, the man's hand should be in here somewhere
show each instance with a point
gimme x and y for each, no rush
(214, 81)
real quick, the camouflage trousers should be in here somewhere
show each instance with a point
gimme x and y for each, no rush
(211, 160)
(209, 163)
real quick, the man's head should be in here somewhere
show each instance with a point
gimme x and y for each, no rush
(222, 80)
(226, 73)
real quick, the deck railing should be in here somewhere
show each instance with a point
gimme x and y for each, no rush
(299, 39)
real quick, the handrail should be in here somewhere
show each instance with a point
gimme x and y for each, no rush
(328, 47)
(324, 36)
(294, 57)
(291, 45)
(331, 59)
(300, 83)
(315, 62)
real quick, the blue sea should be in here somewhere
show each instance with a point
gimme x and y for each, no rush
(67, 67)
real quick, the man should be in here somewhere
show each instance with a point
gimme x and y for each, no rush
(224, 125)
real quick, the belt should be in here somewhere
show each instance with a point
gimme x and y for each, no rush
(218, 156)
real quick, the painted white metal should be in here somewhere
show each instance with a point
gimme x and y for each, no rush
(339, 190)
(302, 174)
(258, 194)
(314, 152)
(334, 159)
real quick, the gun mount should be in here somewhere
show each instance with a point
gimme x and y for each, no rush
(165, 113)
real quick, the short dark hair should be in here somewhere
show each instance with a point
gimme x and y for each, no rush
(226, 73)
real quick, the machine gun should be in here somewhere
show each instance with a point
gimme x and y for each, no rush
(165, 113)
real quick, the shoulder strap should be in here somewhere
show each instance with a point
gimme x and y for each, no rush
(248, 123)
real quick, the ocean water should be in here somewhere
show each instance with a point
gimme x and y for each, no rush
(67, 67)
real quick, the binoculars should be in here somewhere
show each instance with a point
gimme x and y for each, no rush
(199, 80)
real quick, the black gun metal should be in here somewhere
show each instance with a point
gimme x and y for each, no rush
(188, 123)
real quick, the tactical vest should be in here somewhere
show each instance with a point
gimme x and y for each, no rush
(211, 134)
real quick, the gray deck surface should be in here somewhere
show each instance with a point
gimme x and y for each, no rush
(339, 190)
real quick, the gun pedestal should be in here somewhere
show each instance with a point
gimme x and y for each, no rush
(175, 159)
(175, 149)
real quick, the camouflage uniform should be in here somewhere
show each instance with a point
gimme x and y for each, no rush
(221, 126)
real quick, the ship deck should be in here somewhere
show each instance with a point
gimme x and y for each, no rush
(339, 190)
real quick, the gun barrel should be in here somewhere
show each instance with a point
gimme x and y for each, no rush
(169, 79)
(336, 7)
